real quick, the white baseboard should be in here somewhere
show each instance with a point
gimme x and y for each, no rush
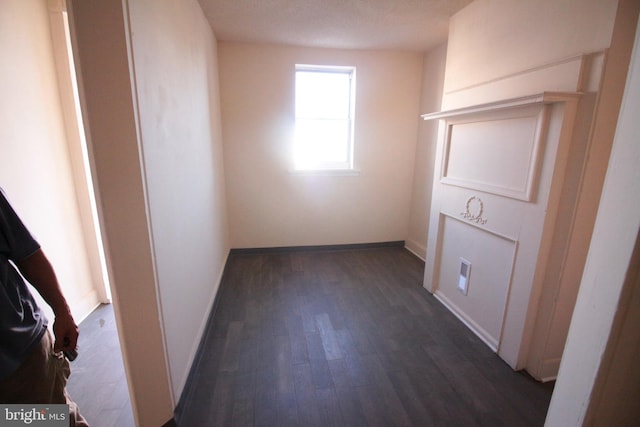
(473, 326)
(415, 248)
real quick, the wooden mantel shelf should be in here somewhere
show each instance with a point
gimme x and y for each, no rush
(540, 98)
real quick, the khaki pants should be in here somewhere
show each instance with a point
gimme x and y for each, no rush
(41, 379)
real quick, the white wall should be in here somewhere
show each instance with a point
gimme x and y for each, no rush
(174, 52)
(268, 205)
(150, 98)
(431, 99)
(36, 171)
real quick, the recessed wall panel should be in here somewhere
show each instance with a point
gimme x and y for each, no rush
(491, 257)
(496, 156)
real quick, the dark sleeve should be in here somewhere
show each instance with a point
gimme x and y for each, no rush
(16, 242)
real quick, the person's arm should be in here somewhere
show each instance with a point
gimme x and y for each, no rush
(37, 269)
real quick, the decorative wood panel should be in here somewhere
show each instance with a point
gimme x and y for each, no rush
(492, 257)
(500, 167)
(514, 142)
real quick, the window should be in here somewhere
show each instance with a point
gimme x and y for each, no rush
(324, 117)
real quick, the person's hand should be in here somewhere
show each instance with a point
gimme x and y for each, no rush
(66, 333)
(38, 271)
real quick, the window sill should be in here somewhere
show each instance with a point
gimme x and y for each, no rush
(325, 172)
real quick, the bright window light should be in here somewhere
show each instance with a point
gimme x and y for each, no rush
(324, 117)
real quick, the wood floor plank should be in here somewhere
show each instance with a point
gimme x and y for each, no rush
(328, 337)
(242, 413)
(412, 401)
(306, 395)
(328, 407)
(287, 410)
(231, 347)
(221, 410)
(283, 366)
(319, 365)
(265, 408)
(347, 396)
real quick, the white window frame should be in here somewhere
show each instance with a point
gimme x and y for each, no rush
(328, 166)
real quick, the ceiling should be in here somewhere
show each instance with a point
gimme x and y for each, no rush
(414, 25)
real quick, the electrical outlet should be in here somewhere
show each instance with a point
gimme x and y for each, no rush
(463, 278)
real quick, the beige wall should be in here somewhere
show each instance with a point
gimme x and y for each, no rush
(150, 99)
(268, 205)
(431, 99)
(490, 39)
(36, 170)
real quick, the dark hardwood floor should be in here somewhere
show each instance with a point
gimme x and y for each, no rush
(346, 338)
(97, 382)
